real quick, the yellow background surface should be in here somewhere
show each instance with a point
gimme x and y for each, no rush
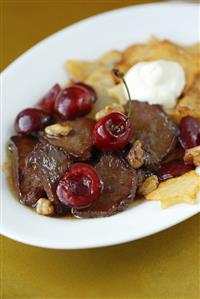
(163, 266)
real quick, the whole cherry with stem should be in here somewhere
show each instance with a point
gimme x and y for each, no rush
(114, 131)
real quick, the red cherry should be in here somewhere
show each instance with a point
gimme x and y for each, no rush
(80, 187)
(31, 120)
(172, 169)
(189, 132)
(47, 103)
(198, 139)
(112, 132)
(73, 102)
(90, 89)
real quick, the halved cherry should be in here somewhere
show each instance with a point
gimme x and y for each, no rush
(80, 187)
(47, 103)
(189, 132)
(172, 169)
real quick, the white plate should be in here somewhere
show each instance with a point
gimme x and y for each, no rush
(31, 75)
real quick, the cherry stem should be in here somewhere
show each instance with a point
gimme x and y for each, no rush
(120, 75)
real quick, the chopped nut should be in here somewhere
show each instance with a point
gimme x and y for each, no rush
(44, 207)
(58, 130)
(192, 156)
(108, 109)
(136, 155)
(149, 185)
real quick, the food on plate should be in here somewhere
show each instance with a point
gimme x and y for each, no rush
(156, 81)
(184, 188)
(78, 142)
(26, 183)
(163, 49)
(172, 169)
(135, 155)
(80, 187)
(150, 184)
(81, 70)
(73, 102)
(57, 130)
(112, 133)
(189, 132)
(189, 104)
(192, 156)
(127, 126)
(47, 102)
(156, 131)
(31, 119)
(119, 187)
(115, 107)
(44, 207)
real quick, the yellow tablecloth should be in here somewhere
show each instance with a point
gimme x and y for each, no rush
(163, 266)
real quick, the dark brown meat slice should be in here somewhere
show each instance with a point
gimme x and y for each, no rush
(50, 163)
(140, 176)
(156, 131)
(120, 183)
(79, 141)
(31, 188)
(27, 184)
(177, 154)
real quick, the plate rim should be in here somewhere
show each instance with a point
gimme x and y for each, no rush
(96, 245)
(74, 24)
(27, 53)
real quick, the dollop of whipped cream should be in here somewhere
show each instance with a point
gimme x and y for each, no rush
(157, 82)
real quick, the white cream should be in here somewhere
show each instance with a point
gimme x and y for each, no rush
(197, 170)
(157, 82)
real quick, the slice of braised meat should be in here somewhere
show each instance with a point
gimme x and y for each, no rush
(141, 175)
(50, 163)
(27, 184)
(78, 142)
(120, 183)
(155, 130)
(176, 154)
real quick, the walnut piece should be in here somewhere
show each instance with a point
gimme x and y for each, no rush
(58, 130)
(136, 155)
(192, 156)
(108, 109)
(149, 185)
(44, 207)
